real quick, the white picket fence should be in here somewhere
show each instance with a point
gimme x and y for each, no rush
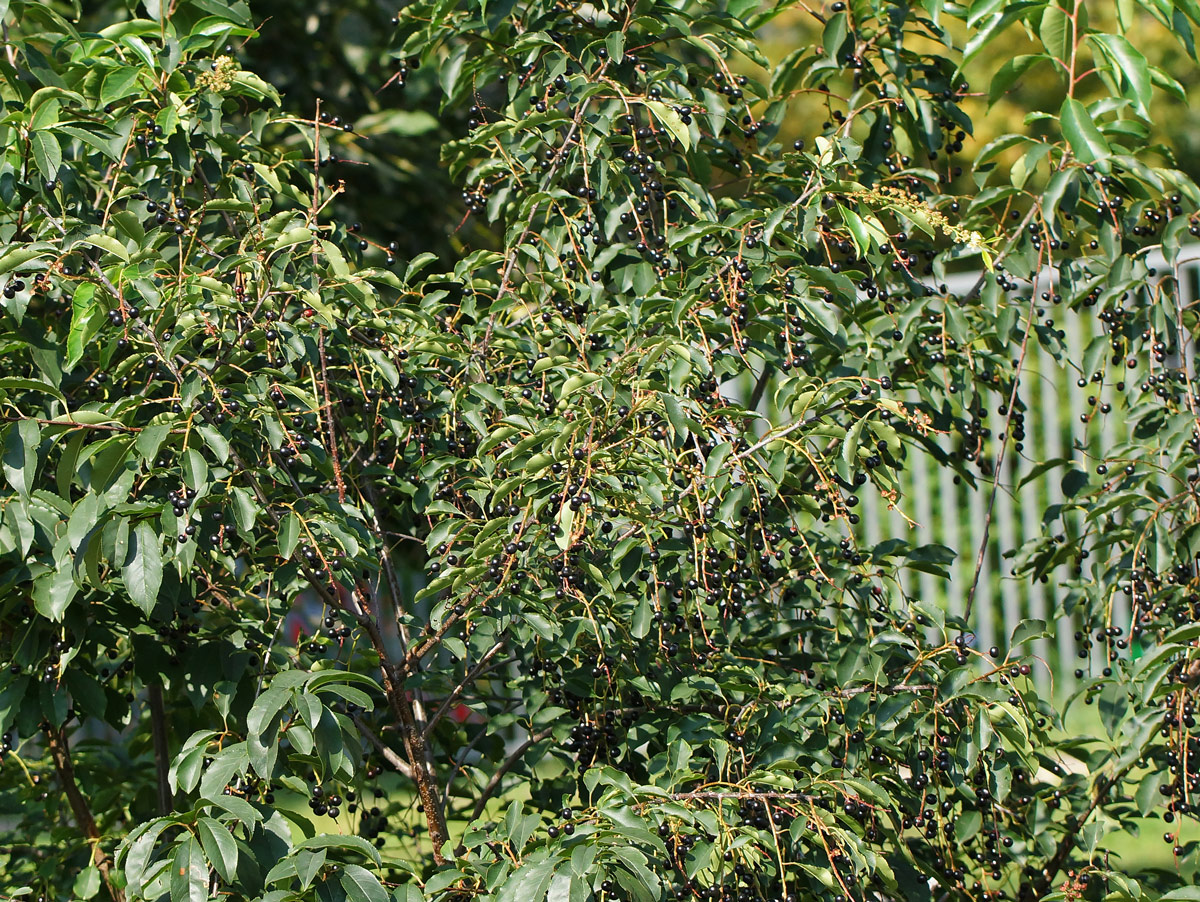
(955, 514)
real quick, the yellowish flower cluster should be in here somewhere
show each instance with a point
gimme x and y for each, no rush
(903, 202)
(220, 77)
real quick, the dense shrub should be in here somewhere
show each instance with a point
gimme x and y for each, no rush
(573, 468)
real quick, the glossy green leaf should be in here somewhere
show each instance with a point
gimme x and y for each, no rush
(219, 847)
(20, 459)
(143, 570)
(1085, 140)
(189, 873)
(361, 885)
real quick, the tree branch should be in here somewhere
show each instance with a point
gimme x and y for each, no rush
(472, 674)
(401, 766)
(494, 783)
(418, 756)
(1067, 844)
(747, 794)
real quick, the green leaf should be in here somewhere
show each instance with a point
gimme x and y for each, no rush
(289, 534)
(189, 873)
(1081, 133)
(150, 439)
(238, 807)
(84, 322)
(119, 84)
(342, 841)
(106, 243)
(308, 865)
(46, 107)
(219, 846)
(361, 885)
(195, 469)
(87, 884)
(672, 122)
(20, 460)
(835, 34)
(185, 771)
(528, 883)
(244, 510)
(214, 440)
(264, 709)
(1055, 31)
(642, 618)
(1129, 68)
(676, 416)
(140, 850)
(16, 257)
(143, 569)
(46, 153)
(298, 235)
(1009, 74)
(615, 44)
(54, 591)
(1183, 894)
(230, 761)
(1028, 629)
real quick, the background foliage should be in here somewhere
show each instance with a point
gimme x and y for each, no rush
(570, 453)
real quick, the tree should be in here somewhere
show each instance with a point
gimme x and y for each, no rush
(578, 501)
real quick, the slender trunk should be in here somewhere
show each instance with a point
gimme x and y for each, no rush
(418, 759)
(162, 756)
(61, 754)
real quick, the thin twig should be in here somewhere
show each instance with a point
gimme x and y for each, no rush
(401, 766)
(494, 783)
(746, 794)
(997, 468)
(472, 674)
(759, 387)
(333, 452)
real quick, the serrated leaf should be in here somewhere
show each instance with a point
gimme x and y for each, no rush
(20, 461)
(308, 865)
(214, 440)
(1129, 67)
(150, 439)
(189, 873)
(84, 322)
(264, 709)
(107, 243)
(227, 763)
(186, 769)
(342, 841)
(361, 885)
(119, 84)
(142, 572)
(219, 847)
(54, 591)
(46, 153)
(1081, 133)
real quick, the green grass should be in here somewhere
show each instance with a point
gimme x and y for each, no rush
(1136, 846)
